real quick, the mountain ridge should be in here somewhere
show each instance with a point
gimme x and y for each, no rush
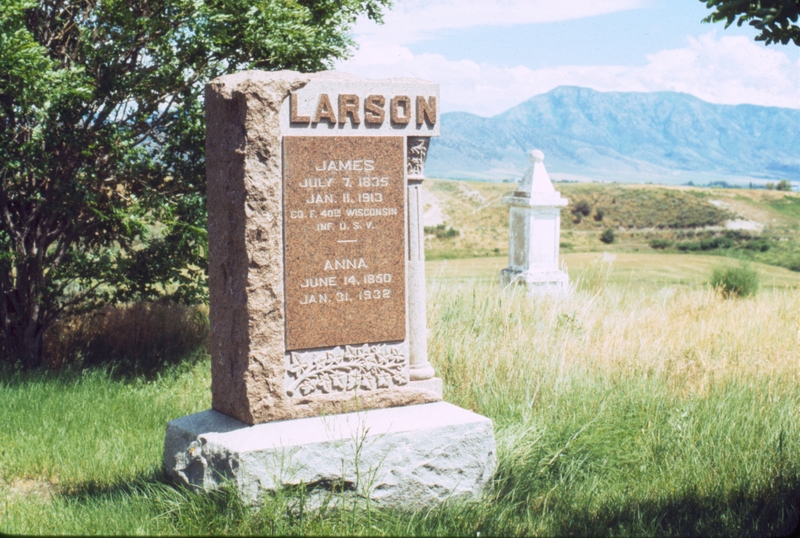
(660, 137)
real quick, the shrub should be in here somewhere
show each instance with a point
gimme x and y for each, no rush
(738, 235)
(759, 245)
(599, 214)
(607, 236)
(794, 265)
(725, 242)
(582, 207)
(708, 244)
(741, 281)
(441, 231)
(716, 242)
(688, 246)
(658, 243)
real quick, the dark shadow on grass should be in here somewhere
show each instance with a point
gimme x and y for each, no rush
(220, 511)
(95, 490)
(767, 512)
(772, 511)
(116, 369)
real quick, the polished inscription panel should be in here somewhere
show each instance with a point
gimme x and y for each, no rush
(344, 235)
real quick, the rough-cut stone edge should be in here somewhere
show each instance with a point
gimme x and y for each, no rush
(245, 208)
(438, 452)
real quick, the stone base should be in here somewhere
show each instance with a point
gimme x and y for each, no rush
(433, 384)
(403, 457)
(537, 282)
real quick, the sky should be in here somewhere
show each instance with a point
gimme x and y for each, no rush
(490, 55)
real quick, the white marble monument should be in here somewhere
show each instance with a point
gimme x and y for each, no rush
(534, 231)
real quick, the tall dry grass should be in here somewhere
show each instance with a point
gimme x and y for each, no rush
(672, 412)
(688, 339)
(135, 339)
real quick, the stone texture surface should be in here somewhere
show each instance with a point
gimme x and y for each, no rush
(433, 384)
(408, 457)
(345, 237)
(243, 168)
(246, 254)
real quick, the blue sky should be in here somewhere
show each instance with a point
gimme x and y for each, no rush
(490, 55)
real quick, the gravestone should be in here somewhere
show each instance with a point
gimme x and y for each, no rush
(535, 231)
(317, 296)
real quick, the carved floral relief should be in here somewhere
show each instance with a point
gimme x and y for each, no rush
(417, 153)
(368, 367)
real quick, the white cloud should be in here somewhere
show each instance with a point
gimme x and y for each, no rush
(720, 69)
(412, 20)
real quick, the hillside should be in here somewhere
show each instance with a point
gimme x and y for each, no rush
(661, 137)
(468, 219)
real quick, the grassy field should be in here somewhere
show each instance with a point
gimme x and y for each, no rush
(634, 271)
(642, 404)
(469, 219)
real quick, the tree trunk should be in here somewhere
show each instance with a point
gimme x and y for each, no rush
(24, 343)
(23, 314)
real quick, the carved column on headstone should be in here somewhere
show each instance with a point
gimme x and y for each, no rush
(420, 368)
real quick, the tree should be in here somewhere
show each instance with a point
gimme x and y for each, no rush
(774, 19)
(783, 185)
(102, 137)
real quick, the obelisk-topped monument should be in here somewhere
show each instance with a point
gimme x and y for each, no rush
(534, 231)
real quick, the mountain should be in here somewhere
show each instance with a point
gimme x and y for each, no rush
(663, 137)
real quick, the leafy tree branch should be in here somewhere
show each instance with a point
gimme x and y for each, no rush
(102, 174)
(776, 20)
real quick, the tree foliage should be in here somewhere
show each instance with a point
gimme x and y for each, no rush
(102, 133)
(776, 20)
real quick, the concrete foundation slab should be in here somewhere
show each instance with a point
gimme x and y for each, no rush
(403, 457)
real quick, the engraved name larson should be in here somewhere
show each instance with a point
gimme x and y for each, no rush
(349, 106)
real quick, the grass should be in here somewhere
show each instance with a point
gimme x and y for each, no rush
(642, 404)
(640, 272)
(479, 219)
(677, 219)
(787, 205)
(85, 429)
(636, 206)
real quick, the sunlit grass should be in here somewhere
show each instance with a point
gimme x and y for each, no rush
(624, 408)
(635, 272)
